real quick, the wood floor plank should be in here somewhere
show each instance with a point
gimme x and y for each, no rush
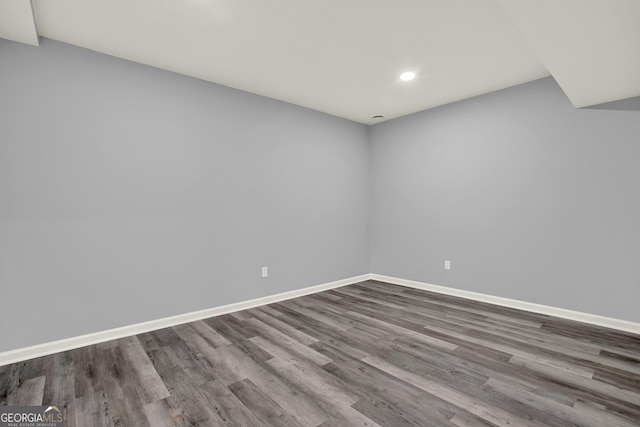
(561, 413)
(209, 334)
(14, 375)
(602, 416)
(311, 379)
(148, 383)
(166, 413)
(125, 406)
(459, 379)
(278, 339)
(614, 393)
(270, 311)
(87, 381)
(388, 394)
(194, 366)
(238, 338)
(59, 388)
(557, 388)
(319, 330)
(387, 414)
(92, 409)
(274, 322)
(469, 420)
(229, 408)
(369, 354)
(481, 409)
(230, 365)
(187, 397)
(29, 393)
(500, 369)
(262, 406)
(300, 405)
(368, 323)
(618, 379)
(326, 318)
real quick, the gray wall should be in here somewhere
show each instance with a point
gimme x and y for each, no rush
(528, 197)
(129, 194)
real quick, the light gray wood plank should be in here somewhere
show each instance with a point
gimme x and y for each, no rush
(149, 384)
(209, 334)
(329, 320)
(312, 381)
(165, 413)
(564, 415)
(187, 397)
(29, 393)
(241, 315)
(278, 343)
(92, 409)
(383, 396)
(125, 406)
(283, 327)
(369, 322)
(463, 419)
(270, 311)
(600, 416)
(262, 406)
(482, 410)
(227, 405)
(577, 380)
(301, 406)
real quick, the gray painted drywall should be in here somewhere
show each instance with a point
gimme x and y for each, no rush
(631, 104)
(527, 196)
(129, 194)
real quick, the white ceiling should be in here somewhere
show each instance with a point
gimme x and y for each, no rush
(16, 22)
(344, 57)
(592, 48)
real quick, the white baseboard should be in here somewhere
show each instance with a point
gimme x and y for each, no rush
(26, 353)
(593, 319)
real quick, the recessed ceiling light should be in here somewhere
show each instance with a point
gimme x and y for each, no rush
(409, 75)
(377, 116)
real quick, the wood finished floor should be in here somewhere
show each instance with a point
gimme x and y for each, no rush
(366, 354)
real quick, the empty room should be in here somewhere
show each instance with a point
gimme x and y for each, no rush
(330, 213)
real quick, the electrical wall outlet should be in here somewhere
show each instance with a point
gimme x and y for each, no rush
(265, 271)
(447, 264)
